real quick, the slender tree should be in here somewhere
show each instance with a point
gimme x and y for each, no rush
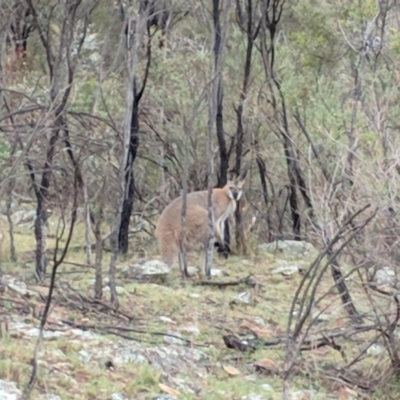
(134, 138)
(224, 153)
(61, 62)
(250, 27)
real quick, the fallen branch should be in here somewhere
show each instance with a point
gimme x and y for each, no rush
(233, 342)
(309, 343)
(116, 330)
(248, 280)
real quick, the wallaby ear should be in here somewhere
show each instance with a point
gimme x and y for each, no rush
(243, 174)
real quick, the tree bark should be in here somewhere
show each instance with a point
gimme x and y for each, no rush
(129, 191)
(251, 34)
(127, 205)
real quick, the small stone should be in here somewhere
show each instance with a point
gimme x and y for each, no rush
(84, 356)
(385, 276)
(24, 217)
(194, 295)
(150, 268)
(244, 297)
(293, 248)
(251, 378)
(192, 271)
(304, 394)
(167, 320)
(319, 316)
(34, 332)
(259, 321)
(267, 387)
(129, 357)
(286, 270)
(164, 397)
(216, 272)
(20, 288)
(172, 339)
(119, 289)
(58, 353)
(253, 396)
(118, 396)
(193, 329)
(375, 350)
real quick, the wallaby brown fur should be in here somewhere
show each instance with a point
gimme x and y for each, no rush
(169, 229)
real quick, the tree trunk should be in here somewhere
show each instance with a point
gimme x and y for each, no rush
(98, 286)
(41, 195)
(127, 205)
(223, 248)
(13, 255)
(223, 153)
(262, 172)
(240, 239)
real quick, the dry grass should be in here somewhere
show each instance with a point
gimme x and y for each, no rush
(208, 308)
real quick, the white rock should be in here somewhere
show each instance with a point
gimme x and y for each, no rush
(267, 387)
(193, 329)
(118, 396)
(286, 270)
(164, 397)
(288, 247)
(253, 396)
(119, 289)
(304, 394)
(216, 272)
(385, 276)
(192, 271)
(251, 377)
(18, 286)
(49, 397)
(259, 321)
(243, 297)
(84, 356)
(165, 319)
(173, 338)
(23, 217)
(34, 332)
(319, 316)
(151, 268)
(375, 350)
(9, 391)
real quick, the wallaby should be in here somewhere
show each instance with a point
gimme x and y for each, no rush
(169, 229)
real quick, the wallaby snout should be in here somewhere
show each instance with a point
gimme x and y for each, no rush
(236, 194)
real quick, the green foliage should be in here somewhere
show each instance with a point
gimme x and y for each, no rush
(394, 41)
(315, 45)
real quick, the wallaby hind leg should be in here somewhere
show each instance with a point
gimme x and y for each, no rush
(203, 263)
(183, 265)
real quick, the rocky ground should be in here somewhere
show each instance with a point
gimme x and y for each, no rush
(165, 341)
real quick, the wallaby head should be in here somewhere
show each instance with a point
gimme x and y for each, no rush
(234, 186)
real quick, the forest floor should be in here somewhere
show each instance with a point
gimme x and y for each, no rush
(165, 341)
